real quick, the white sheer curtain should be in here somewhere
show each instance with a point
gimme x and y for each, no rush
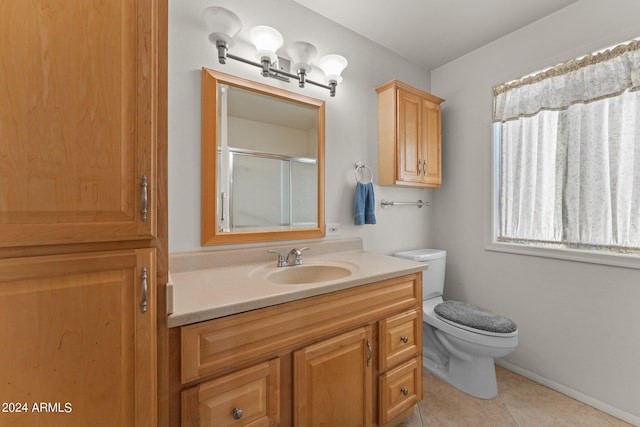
(570, 153)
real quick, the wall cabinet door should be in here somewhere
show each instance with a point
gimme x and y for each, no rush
(79, 343)
(333, 381)
(431, 143)
(410, 149)
(77, 121)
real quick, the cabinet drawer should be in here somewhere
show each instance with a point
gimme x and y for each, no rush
(249, 397)
(400, 389)
(400, 339)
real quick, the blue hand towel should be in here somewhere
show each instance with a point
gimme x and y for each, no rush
(364, 212)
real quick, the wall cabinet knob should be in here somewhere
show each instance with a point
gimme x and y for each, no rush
(404, 339)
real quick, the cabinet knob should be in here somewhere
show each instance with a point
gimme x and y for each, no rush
(404, 339)
(237, 413)
(404, 391)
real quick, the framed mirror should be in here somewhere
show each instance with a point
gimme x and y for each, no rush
(262, 162)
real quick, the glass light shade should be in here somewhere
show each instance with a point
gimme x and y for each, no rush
(332, 65)
(223, 24)
(302, 53)
(267, 41)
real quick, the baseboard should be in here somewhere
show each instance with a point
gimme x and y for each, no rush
(625, 416)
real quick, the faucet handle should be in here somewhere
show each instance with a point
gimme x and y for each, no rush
(282, 260)
(298, 255)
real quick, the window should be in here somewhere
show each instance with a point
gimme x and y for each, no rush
(567, 155)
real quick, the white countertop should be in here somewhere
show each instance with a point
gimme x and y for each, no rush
(207, 293)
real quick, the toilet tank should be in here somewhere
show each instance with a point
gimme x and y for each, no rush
(433, 277)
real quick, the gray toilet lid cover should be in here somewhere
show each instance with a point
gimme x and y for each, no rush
(475, 317)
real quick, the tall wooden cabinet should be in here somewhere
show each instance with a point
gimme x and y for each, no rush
(409, 136)
(82, 210)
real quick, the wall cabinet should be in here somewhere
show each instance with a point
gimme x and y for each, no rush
(338, 357)
(78, 333)
(82, 209)
(409, 136)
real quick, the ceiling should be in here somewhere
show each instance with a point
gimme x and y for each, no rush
(430, 33)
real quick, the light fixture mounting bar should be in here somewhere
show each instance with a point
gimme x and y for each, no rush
(280, 74)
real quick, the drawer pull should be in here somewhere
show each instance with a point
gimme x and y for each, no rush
(237, 413)
(404, 391)
(404, 339)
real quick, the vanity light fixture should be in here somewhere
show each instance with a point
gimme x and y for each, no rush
(224, 25)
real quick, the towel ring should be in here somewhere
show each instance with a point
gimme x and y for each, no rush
(359, 168)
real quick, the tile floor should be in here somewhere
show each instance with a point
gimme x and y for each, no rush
(520, 403)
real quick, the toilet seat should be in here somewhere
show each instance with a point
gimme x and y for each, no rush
(467, 333)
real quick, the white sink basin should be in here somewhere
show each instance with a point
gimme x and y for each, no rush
(311, 273)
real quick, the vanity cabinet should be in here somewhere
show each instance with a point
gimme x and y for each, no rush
(329, 351)
(409, 136)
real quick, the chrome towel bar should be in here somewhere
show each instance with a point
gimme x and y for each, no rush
(419, 203)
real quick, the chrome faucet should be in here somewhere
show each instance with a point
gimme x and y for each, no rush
(285, 261)
(297, 256)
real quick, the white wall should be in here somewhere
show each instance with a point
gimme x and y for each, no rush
(351, 117)
(579, 324)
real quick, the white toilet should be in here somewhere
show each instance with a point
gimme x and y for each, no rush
(460, 341)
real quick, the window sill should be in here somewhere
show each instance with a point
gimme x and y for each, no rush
(577, 255)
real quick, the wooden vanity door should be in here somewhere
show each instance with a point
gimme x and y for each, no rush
(333, 381)
(77, 121)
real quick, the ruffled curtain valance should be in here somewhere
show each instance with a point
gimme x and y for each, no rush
(591, 78)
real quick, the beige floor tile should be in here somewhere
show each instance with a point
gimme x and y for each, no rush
(412, 421)
(503, 374)
(534, 405)
(444, 406)
(521, 402)
(615, 422)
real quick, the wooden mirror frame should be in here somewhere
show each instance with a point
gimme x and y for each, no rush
(209, 232)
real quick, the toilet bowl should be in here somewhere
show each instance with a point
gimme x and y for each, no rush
(460, 348)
